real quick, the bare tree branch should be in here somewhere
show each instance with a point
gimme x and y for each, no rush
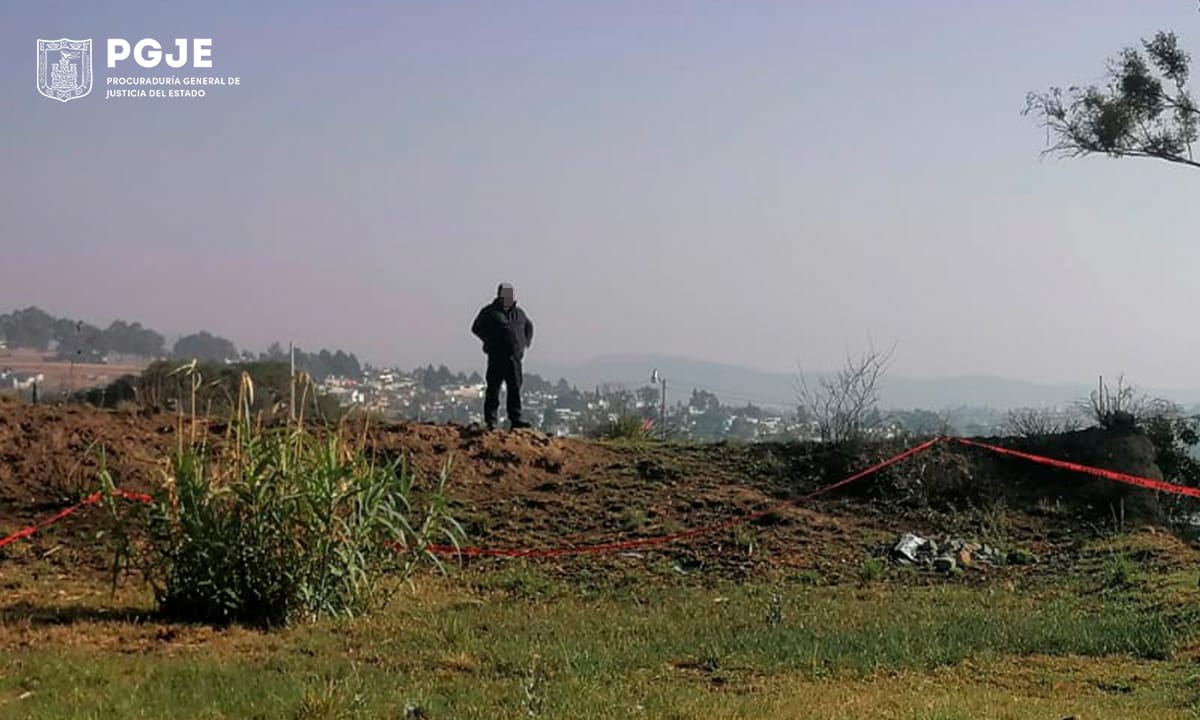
(842, 404)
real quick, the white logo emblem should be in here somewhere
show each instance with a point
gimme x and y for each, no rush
(64, 68)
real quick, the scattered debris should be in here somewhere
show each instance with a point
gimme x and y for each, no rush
(950, 553)
(908, 548)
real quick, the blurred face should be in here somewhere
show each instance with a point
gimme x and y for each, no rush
(508, 296)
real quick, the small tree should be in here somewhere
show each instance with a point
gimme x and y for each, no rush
(1145, 110)
(843, 404)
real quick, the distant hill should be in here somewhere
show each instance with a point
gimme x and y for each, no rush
(735, 384)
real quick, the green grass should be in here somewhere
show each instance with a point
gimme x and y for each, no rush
(872, 569)
(516, 643)
(810, 577)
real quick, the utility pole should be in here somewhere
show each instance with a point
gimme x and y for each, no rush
(663, 409)
(655, 377)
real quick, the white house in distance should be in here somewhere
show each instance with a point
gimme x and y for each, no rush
(466, 392)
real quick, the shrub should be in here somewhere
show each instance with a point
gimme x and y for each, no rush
(278, 524)
(1174, 433)
(1020, 556)
(1124, 407)
(1040, 422)
(844, 406)
(633, 519)
(1175, 436)
(1120, 572)
(871, 570)
(625, 427)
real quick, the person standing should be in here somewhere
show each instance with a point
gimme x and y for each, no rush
(506, 332)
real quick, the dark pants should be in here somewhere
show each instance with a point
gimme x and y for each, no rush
(502, 369)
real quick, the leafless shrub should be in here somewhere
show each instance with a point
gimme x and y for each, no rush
(939, 477)
(844, 405)
(1124, 407)
(1039, 422)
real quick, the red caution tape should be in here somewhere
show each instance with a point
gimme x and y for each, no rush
(67, 512)
(47, 522)
(136, 497)
(1136, 480)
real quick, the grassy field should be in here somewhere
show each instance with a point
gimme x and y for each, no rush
(1113, 635)
(797, 617)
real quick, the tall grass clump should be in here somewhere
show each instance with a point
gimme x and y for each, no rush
(276, 524)
(625, 427)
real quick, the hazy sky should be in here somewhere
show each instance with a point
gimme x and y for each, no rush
(749, 182)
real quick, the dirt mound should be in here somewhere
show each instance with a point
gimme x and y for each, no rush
(523, 489)
(517, 489)
(526, 490)
(50, 455)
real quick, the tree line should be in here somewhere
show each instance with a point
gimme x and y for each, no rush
(76, 340)
(36, 329)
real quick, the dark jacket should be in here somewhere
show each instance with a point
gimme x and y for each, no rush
(505, 333)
